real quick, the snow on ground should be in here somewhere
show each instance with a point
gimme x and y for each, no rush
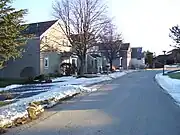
(11, 112)
(88, 81)
(172, 86)
(10, 87)
(68, 87)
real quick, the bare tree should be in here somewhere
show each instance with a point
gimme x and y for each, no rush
(175, 35)
(81, 21)
(111, 43)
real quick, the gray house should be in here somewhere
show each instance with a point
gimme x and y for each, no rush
(28, 65)
(122, 61)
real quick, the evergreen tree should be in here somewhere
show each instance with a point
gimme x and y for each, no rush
(11, 37)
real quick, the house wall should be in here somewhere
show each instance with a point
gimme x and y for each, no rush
(90, 68)
(116, 62)
(124, 60)
(94, 65)
(99, 64)
(137, 57)
(137, 62)
(30, 62)
(54, 38)
(129, 58)
(53, 62)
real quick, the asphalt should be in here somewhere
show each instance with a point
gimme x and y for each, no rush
(130, 105)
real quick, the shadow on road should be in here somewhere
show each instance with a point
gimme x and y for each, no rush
(131, 105)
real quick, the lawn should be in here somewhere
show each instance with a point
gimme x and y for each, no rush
(6, 82)
(3, 103)
(174, 75)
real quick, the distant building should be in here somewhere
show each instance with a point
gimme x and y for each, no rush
(122, 61)
(137, 57)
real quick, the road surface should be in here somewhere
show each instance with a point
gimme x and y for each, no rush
(130, 105)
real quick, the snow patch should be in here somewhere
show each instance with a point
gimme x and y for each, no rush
(10, 87)
(172, 86)
(61, 88)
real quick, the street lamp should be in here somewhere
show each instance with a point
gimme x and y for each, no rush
(164, 61)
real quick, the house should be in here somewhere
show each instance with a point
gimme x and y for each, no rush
(43, 53)
(28, 65)
(174, 56)
(94, 63)
(159, 61)
(123, 60)
(137, 58)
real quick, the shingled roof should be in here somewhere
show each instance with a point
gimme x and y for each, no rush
(38, 28)
(124, 46)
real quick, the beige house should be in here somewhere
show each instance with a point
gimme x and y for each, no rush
(53, 45)
(43, 53)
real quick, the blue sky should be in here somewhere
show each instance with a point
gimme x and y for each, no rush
(143, 23)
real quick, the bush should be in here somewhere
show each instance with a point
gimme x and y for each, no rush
(142, 66)
(41, 77)
(133, 67)
(2, 130)
(54, 75)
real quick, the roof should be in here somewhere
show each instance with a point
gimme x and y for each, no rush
(161, 56)
(95, 55)
(174, 50)
(66, 54)
(38, 28)
(125, 46)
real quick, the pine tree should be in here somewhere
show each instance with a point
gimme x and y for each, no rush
(11, 37)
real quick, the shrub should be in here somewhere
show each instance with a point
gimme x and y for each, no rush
(41, 77)
(142, 66)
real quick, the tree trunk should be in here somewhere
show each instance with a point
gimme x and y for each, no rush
(82, 67)
(110, 62)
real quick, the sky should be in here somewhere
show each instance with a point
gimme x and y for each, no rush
(143, 23)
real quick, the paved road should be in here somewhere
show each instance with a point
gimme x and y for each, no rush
(131, 105)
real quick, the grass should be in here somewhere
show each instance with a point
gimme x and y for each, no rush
(3, 103)
(174, 75)
(8, 81)
(5, 82)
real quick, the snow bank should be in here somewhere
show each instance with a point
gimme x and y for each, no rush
(68, 87)
(17, 110)
(10, 87)
(172, 86)
(88, 81)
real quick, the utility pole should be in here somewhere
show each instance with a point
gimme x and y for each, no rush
(164, 61)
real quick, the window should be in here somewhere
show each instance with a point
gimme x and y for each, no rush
(46, 62)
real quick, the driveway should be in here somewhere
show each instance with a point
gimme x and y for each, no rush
(130, 105)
